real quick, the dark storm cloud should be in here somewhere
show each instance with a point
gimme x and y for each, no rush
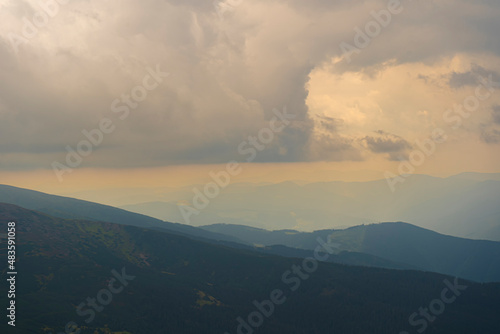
(495, 114)
(490, 135)
(330, 124)
(490, 132)
(395, 146)
(472, 77)
(334, 147)
(227, 75)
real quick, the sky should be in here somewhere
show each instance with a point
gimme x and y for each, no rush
(161, 92)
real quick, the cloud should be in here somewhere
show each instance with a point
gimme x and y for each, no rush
(490, 132)
(490, 135)
(395, 146)
(227, 75)
(495, 114)
(329, 124)
(472, 77)
(333, 147)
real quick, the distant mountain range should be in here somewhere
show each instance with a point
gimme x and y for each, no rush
(388, 245)
(466, 205)
(111, 278)
(70, 208)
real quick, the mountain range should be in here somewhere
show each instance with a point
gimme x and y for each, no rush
(386, 245)
(401, 243)
(465, 205)
(103, 277)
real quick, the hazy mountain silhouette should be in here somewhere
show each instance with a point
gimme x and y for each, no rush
(64, 207)
(466, 205)
(396, 246)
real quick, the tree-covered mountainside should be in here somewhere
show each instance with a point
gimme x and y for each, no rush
(477, 260)
(70, 208)
(110, 278)
(339, 255)
(387, 245)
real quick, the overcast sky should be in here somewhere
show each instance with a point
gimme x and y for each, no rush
(230, 64)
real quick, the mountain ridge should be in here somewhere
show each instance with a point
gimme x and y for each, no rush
(399, 242)
(190, 286)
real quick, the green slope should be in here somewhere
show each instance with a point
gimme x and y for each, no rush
(477, 260)
(71, 208)
(187, 286)
(402, 243)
